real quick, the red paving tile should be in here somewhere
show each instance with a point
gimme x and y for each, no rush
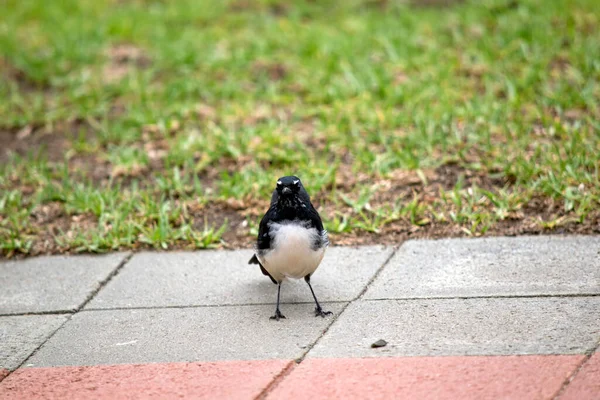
(227, 379)
(3, 373)
(472, 377)
(586, 385)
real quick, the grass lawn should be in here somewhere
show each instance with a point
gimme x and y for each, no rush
(165, 124)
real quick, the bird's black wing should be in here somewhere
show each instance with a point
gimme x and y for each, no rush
(309, 212)
(315, 222)
(263, 241)
(254, 260)
(315, 219)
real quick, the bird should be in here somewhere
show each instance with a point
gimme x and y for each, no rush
(291, 240)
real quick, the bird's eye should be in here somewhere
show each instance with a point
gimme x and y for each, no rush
(278, 183)
(296, 182)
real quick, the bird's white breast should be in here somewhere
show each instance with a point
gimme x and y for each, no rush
(292, 253)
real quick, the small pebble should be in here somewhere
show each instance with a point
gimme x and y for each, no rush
(379, 343)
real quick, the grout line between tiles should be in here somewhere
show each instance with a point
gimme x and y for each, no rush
(573, 375)
(103, 283)
(358, 297)
(22, 314)
(281, 377)
(289, 368)
(377, 273)
(208, 306)
(492, 296)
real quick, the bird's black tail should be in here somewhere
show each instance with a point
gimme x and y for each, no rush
(254, 260)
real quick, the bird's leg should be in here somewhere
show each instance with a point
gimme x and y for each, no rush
(278, 315)
(318, 310)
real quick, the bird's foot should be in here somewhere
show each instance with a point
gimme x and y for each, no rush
(320, 313)
(278, 315)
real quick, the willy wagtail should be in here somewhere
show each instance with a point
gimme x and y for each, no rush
(291, 239)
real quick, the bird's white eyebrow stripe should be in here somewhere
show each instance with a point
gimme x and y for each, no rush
(296, 181)
(279, 182)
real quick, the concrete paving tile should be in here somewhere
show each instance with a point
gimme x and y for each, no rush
(221, 380)
(490, 267)
(183, 335)
(53, 283)
(224, 277)
(477, 378)
(505, 326)
(21, 335)
(586, 385)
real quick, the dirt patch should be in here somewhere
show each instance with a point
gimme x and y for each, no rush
(274, 71)
(128, 54)
(559, 66)
(447, 176)
(122, 59)
(32, 140)
(217, 214)
(435, 3)
(538, 216)
(52, 141)
(50, 222)
(398, 232)
(236, 236)
(277, 8)
(387, 4)
(24, 81)
(45, 242)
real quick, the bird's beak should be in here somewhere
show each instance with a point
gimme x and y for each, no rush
(286, 190)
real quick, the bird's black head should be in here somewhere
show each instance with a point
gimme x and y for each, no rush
(290, 194)
(291, 201)
(289, 186)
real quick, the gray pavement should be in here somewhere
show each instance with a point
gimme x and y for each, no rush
(504, 266)
(526, 295)
(453, 327)
(225, 278)
(20, 335)
(183, 334)
(52, 284)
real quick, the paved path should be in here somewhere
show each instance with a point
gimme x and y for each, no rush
(515, 318)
